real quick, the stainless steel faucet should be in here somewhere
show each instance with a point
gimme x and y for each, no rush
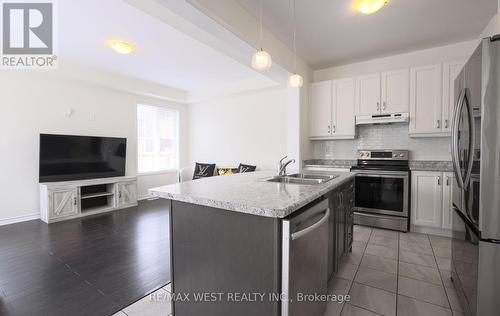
(282, 166)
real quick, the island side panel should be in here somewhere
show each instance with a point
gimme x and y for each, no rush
(220, 251)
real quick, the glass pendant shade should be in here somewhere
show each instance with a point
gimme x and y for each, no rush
(296, 81)
(370, 6)
(262, 60)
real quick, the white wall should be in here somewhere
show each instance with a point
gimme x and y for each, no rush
(36, 102)
(249, 128)
(458, 51)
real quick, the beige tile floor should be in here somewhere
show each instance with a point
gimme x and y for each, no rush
(404, 274)
(388, 273)
(156, 304)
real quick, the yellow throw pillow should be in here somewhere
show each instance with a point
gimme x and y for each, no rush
(226, 171)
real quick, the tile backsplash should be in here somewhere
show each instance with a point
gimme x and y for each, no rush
(393, 136)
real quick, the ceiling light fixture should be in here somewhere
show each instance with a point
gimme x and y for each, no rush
(122, 47)
(370, 6)
(261, 60)
(295, 80)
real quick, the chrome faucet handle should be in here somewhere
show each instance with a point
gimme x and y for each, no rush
(281, 160)
(282, 170)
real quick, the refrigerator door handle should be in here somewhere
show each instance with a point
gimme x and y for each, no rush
(454, 140)
(471, 138)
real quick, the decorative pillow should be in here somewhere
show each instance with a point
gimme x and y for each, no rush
(246, 168)
(226, 171)
(203, 170)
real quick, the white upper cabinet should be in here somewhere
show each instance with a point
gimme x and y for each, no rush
(395, 91)
(343, 124)
(426, 100)
(427, 93)
(451, 91)
(320, 109)
(383, 93)
(332, 109)
(368, 94)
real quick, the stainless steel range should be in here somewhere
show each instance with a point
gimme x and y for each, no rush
(382, 197)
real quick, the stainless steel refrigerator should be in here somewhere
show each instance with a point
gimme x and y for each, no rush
(476, 193)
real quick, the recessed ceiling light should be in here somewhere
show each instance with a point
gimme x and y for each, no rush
(370, 6)
(122, 47)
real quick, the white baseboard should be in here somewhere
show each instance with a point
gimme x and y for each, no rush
(18, 219)
(431, 231)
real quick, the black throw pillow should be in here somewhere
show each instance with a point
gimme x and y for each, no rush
(203, 170)
(246, 168)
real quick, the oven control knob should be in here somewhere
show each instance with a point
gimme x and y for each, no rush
(394, 155)
(401, 155)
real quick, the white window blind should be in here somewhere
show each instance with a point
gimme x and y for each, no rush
(158, 138)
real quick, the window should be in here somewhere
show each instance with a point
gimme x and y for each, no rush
(158, 138)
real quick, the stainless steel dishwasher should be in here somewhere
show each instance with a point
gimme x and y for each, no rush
(304, 261)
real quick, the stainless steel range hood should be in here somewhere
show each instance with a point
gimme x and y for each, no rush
(382, 119)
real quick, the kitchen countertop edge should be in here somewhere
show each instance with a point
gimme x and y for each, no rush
(322, 189)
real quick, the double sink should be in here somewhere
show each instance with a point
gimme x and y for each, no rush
(303, 178)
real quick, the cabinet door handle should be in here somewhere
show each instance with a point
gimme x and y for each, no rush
(448, 181)
(119, 194)
(438, 124)
(329, 129)
(334, 129)
(439, 180)
(384, 106)
(445, 123)
(75, 202)
(378, 106)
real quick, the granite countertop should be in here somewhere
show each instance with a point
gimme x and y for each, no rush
(249, 193)
(415, 165)
(431, 165)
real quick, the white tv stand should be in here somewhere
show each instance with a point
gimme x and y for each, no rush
(61, 201)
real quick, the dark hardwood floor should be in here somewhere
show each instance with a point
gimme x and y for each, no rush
(90, 266)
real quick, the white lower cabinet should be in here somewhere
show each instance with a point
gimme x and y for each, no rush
(63, 202)
(126, 194)
(431, 199)
(72, 199)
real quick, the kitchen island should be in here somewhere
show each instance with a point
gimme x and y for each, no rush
(231, 249)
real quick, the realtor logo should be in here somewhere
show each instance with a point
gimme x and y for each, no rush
(28, 34)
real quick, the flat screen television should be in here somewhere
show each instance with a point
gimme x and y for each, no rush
(67, 157)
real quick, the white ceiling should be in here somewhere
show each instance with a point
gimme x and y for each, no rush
(164, 55)
(330, 33)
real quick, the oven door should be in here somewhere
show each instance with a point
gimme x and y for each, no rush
(382, 192)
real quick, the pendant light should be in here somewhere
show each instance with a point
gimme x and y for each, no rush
(370, 6)
(295, 80)
(261, 60)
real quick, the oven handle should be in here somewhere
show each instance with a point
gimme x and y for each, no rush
(382, 174)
